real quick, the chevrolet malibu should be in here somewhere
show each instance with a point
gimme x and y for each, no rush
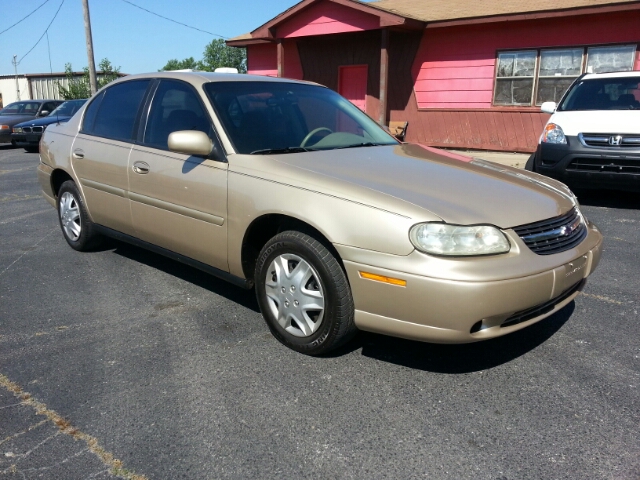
(287, 187)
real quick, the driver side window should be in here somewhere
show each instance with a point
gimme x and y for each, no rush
(175, 107)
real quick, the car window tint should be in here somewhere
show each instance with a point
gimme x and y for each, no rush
(90, 114)
(176, 106)
(118, 110)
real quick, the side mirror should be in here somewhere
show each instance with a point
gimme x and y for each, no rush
(44, 113)
(190, 142)
(548, 107)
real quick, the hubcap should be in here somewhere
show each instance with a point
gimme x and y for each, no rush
(70, 216)
(295, 295)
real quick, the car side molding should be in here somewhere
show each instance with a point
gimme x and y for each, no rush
(216, 272)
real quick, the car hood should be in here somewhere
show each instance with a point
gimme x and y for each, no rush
(422, 183)
(41, 122)
(13, 119)
(598, 121)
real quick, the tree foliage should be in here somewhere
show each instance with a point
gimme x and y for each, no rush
(216, 54)
(80, 87)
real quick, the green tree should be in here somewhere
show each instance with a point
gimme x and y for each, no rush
(79, 87)
(187, 63)
(219, 54)
(216, 54)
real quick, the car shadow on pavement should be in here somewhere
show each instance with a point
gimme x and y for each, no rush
(609, 198)
(243, 297)
(465, 358)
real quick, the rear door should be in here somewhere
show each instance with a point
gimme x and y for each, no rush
(100, 152)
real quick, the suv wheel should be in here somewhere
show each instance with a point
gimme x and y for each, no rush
(303, 294)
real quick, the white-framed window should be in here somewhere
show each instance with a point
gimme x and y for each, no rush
(531, 77)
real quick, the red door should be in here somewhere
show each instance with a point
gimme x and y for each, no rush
(352, 85)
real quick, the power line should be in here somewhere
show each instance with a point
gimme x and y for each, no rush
(45, 31)
(171, 20)
(21, 20)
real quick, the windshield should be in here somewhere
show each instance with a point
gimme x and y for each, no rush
(603, 94)
(21, 108)
(271, 118)
(67, 109)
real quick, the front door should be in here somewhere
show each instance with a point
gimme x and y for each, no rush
(179, 202)
(352, 85)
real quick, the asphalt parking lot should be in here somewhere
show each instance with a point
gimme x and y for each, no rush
(123, 364)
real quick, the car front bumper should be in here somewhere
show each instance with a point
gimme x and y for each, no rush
(459, 306)
(26, 139)
(580, 166)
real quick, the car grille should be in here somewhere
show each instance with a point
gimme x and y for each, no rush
(606, 165)
(608, 140)
(547, 307)
(554, 235)
(32, 129)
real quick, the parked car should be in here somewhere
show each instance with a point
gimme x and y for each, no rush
(21, 112)
(592, 139)
(286, 186)
(28, 134)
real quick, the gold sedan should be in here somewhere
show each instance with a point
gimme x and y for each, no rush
(286, 186)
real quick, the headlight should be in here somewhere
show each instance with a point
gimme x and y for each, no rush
(458, 240)
(17, 129)
(553, 134)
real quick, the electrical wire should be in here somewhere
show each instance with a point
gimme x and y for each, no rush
(42, 36)
(21, 20)
(171, 20)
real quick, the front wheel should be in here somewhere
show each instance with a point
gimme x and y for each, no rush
(304, 294)
(77, 227)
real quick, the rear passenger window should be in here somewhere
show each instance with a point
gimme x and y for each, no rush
(114, 115)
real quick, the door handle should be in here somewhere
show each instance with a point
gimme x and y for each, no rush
(141, 167)
(78, 153)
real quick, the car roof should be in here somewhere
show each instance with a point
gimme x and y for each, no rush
(590, 76)
(200, 78)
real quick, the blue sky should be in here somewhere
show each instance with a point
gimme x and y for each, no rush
(130, 38)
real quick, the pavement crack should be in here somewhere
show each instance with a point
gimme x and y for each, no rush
(115, 466)
(24, 253)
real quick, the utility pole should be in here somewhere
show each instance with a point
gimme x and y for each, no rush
(93, 83)
(15, 69)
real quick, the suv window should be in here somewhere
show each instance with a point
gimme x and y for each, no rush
(622, 93)
(176, 106)
(114, 113)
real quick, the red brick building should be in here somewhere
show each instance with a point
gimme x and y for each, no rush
(463, 74)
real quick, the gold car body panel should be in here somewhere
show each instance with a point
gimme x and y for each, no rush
(179, 203)
(101, 167)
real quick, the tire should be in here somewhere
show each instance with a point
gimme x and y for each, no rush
(304, 294)
(77, 228)
(31, 149)
(531, 163)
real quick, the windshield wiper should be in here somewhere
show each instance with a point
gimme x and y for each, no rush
(364, 144)
(275, 151)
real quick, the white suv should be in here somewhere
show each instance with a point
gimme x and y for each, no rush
(592, 139)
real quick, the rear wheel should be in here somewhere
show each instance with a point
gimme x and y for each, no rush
(303, 294)
(77, 227)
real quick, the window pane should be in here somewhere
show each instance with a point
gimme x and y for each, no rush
(552, 89)
(517, 64)
(513, 92)
(611, 59)
(175, 107)
(561, 62)
(117, 113)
